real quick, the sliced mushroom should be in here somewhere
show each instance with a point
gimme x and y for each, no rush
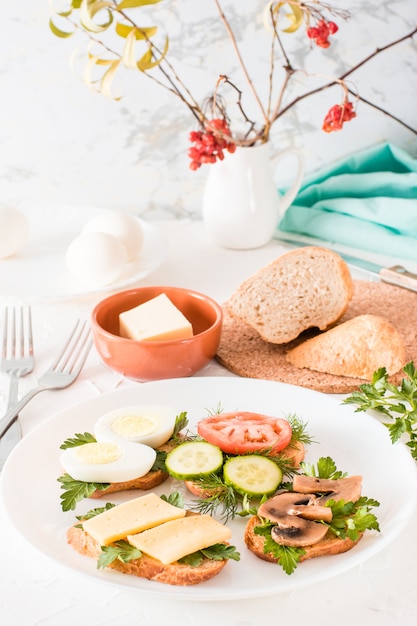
(348, 489)
(294, 514)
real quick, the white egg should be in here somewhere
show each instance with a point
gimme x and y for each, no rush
(14, 231)
(108, 462)
(150, 424)
(122, 226)
(96, 259)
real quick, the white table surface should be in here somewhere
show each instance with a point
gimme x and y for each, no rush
(37, 591)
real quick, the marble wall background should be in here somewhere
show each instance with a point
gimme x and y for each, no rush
(63, 144)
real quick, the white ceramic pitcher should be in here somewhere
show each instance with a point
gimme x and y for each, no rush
(241, 203)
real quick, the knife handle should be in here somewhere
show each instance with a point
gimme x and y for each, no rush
(398, 275)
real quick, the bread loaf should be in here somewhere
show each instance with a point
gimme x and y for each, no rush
(356, 348)
(305, 288)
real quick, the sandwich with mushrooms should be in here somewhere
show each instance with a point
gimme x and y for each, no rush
(322, 512)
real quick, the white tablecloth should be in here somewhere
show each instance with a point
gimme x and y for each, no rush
(37, 591)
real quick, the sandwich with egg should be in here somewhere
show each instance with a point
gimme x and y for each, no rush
(322, 512)
(155, 538)
(126, 451)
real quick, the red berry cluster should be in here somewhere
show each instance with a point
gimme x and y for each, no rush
(320, 33)
(210, 144)
(338, 114)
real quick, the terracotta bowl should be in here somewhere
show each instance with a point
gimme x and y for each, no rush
(155, 360)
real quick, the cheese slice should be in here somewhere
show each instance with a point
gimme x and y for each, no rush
(180, 537)
(132, 516)
(155, 320)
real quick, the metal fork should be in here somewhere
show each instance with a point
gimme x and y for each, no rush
(16, 360)
(62, 373)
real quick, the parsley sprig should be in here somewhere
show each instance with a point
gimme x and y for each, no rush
(120, 550)
(76, 490)
(324, 468)
(216, 552)
(397, 403)
(286, 556)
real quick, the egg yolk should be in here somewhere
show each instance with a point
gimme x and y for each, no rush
(98, 453)
(133, 426)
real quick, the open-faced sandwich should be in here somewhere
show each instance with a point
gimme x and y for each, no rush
(237, 458)
(154, 538)
(320, 513)
(126, 451)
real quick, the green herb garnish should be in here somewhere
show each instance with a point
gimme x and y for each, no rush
(174, 498)
(76, 490)
(119, 550)
(216, 552)
(181, 422)
(324, 468)
(287, 556)
(78, 440)
(97, 511)
(351, 519)
(397, 403)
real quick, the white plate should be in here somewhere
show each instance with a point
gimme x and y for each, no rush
(39, 271)
(357, 442)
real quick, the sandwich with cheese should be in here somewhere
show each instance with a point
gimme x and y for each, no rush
(320, 513)
(155, 538)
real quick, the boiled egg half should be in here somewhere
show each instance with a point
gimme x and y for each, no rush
(108, 462)
(149, 424)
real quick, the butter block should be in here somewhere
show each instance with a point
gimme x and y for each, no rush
(129, 517)
(180, 537)
(157, 319)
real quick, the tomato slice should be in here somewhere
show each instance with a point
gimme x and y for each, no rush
(240, 433)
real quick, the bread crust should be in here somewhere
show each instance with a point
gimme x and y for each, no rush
(304, 288)
(356, 348)
(329, 545)
(147, 567)
(149, 481)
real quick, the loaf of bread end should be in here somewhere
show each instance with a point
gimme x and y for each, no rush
(356, 348)
(304, 288)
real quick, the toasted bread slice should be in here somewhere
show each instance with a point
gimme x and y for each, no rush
(148, 567)
(149, 481)
(356, 348)
(305, 288)
(329, 545)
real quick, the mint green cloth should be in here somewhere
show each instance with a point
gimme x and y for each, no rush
(366, 201)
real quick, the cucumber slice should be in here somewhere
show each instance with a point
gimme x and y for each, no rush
(252, 475)
(193, 459)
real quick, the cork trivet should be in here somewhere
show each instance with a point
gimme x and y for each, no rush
(244, 353)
